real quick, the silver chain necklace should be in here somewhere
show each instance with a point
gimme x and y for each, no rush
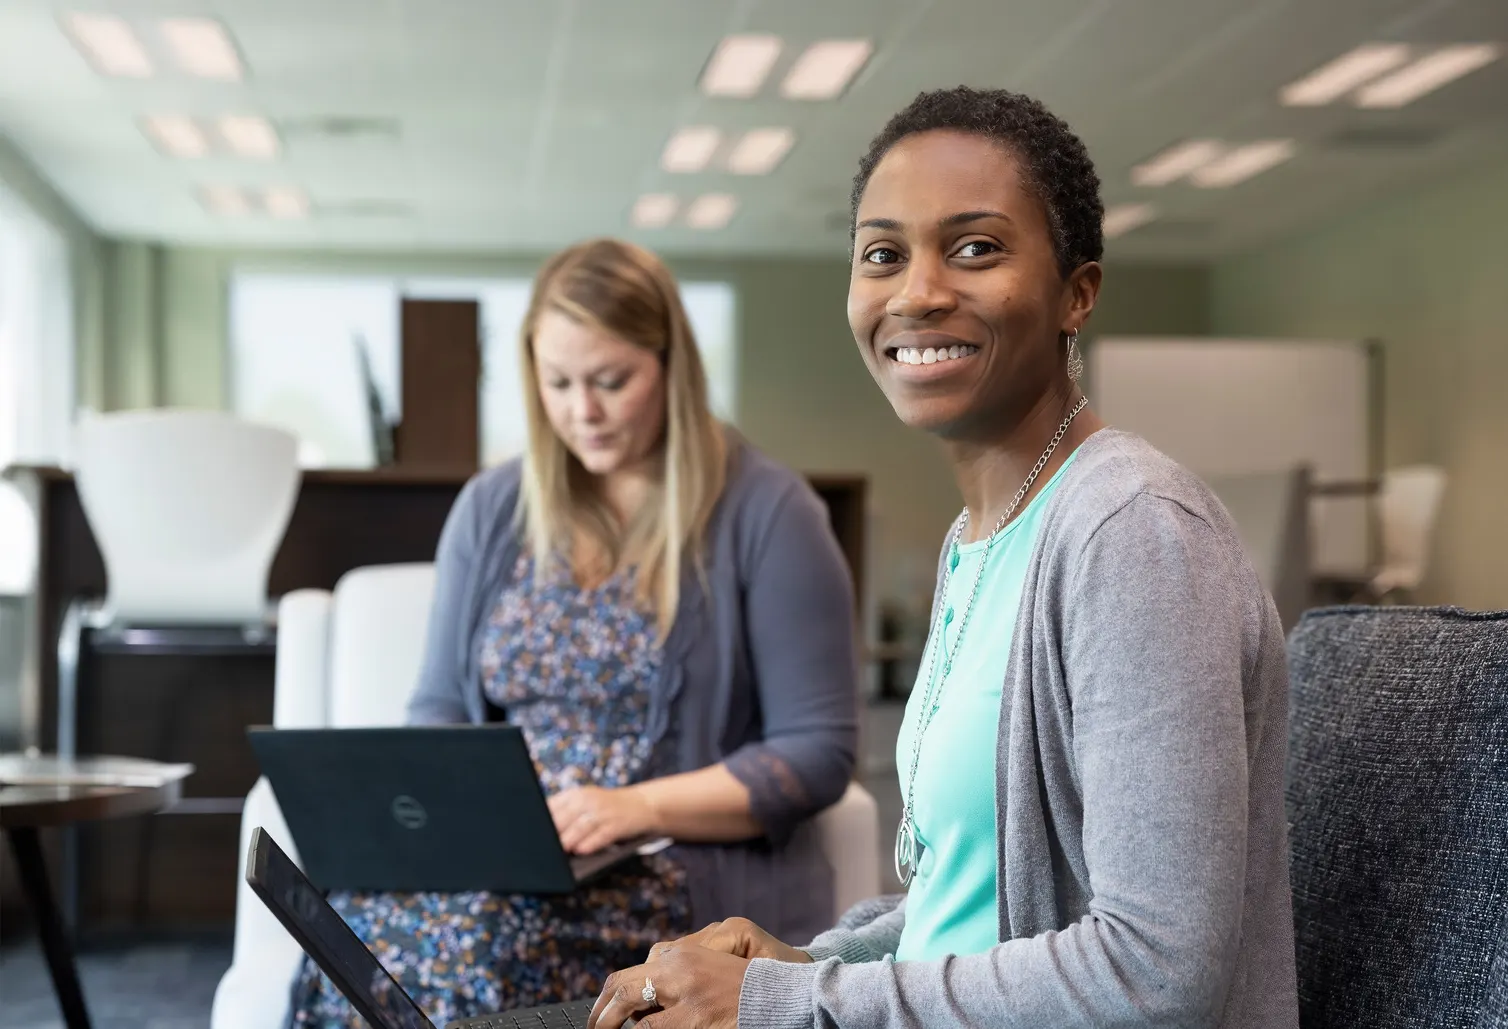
(908, 847)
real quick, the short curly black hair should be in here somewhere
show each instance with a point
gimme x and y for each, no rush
(1054, 161)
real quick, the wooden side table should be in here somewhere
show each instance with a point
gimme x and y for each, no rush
(26, 809)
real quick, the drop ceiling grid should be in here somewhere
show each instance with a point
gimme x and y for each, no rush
(480, 163)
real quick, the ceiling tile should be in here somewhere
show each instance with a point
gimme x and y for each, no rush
(518, 124)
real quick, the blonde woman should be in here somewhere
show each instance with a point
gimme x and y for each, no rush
(665, 613)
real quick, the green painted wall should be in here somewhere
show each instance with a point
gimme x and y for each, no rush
(1426, 273)
(1422, 272)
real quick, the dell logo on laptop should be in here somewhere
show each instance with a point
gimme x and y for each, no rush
(409, 813)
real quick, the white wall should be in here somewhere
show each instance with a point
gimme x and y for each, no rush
(40, 381)
(86, 255)
(37, 337)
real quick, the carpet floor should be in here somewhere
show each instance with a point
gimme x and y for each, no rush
(147, 986)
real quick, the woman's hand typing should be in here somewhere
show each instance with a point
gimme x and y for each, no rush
(589, 818)
(692, 988)
(739, 937)
(697, 979)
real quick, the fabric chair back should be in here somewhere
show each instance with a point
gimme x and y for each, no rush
(1398, 805)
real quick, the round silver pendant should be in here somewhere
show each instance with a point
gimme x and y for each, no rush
(907, 852)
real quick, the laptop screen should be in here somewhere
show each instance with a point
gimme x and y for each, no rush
(326, 938)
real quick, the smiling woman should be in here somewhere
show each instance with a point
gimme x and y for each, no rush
(999, 251)
(1091, 763)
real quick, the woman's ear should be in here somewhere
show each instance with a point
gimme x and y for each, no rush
(1081, 292)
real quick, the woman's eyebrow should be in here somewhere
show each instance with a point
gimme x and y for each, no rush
(964, 217)
(961, 218)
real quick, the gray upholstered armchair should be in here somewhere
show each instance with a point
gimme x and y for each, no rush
(1398, 801)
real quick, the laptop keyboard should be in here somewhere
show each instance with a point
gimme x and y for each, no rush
(555, 1016)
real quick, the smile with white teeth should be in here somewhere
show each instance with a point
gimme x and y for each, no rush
(931, 355)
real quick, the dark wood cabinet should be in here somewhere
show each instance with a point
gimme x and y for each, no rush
(441, 372)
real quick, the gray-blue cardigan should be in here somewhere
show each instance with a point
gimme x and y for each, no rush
(1139, 775)
(760, 673)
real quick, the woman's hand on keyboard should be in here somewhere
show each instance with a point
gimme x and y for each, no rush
(692, 988)
(589, 818)
(739, 937)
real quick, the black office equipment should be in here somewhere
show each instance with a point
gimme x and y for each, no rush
(444, 808)
(378, 426)
(359, 976)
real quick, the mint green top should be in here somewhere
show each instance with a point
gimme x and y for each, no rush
(951, 907)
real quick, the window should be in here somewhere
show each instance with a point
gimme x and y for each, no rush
(36, 338)
(297, 348)
(298, 344)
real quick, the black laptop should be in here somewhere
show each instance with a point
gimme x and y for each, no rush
(358, 975)
(446, 808)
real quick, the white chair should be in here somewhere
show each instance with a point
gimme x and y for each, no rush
(1271, 512)
(1407, 508)
(188, 509)
(351, 658)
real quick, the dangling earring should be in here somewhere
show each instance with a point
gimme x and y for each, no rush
(1075, 359)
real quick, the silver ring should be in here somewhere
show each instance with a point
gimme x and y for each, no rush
(648, 993)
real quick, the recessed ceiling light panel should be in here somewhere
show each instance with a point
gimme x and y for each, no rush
(711, 211)
(249, 135)
(1244, 162)
(739, 65)
(286, 203)
(109, 44)
(1122, 218)
(760, 151)
(653, 211)
(1329, 83)
(1176, 162)
(690, 149)
(824, 70)
(176, 135)
(202, 48)
(1427, 74)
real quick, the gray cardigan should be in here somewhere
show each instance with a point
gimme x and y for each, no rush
(761, 675)
(1139, 775)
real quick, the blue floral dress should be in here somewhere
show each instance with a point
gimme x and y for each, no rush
(571, 668)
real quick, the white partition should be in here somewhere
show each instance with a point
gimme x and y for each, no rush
(1228, 407)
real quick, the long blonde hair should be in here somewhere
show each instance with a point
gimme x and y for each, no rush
(624, 290)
